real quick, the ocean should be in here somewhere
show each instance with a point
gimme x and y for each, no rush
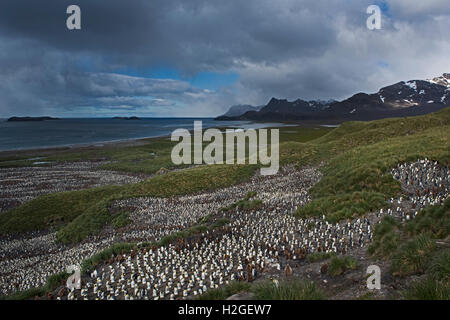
(72, 132)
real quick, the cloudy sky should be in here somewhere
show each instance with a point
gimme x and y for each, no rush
(198, 57)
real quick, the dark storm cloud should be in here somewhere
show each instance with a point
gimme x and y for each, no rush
(286, 48)
(192, 35)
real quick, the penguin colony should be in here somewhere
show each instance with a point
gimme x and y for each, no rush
(425, 183)
(27, 261)
(19, 185)
(266, 240)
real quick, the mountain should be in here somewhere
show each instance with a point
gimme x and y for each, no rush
(280, 109)
(414, 97)
(240, 109)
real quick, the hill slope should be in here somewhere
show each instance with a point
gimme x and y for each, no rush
(411, 98)
(357, 156)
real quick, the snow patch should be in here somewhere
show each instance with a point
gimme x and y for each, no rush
(353, 111)
(442, 81)
(412, 85)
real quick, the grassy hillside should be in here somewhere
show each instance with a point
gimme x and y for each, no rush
(356, 177)
(80, 213)
(420, 248)
(356, 157)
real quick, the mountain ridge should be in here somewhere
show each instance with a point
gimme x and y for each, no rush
(410, 98)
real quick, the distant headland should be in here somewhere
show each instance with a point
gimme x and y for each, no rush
(17, 119)
(127, 118)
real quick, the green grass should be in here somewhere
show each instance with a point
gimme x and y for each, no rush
(343, 206)
(439, 266)
(53, 210)
(319, 256)
(434, 220)
(352, 135)
(428, 289)
(416, 251)
(358, 157)
(287, 290)
(412, 249)
(226, 291)
(302, 134)
(106, 254)
(339, 265)
(17, 164)
(142, 158)
(413, 256)
(192, 180)
(245, 204)
(184, 234)
(386, 238)
(221, 222)
(120, 220)
(146, 159)
(390, 237)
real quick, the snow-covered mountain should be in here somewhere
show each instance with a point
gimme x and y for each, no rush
(413, 97)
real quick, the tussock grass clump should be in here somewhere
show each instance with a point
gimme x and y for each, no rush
(287, 290)
(338, 265)
(417, 253)
(412, 257)
(182, 234)
(245, 204)
(342, 206)
(439, 267)
(249, 205)
(413, 250)
(226, 291)
(319, 256)
(88, 223)
(220, 223)
(106, 254)
(386, 238)
(205, 219)
(192, 180)
(428, 289)
(434, 220)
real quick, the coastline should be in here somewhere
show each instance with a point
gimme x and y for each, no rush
(128, 142)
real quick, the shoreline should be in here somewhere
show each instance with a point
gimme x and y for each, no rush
(128, 142)
(80, 146)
